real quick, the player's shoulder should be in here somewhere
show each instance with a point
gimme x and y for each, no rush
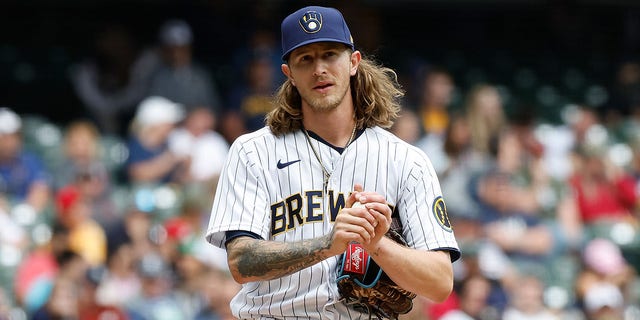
(250, 137)
(385, 136)
(261, 138)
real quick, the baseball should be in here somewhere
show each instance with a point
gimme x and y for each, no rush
(357, 205)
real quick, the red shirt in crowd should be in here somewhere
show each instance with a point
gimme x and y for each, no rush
(607, 200)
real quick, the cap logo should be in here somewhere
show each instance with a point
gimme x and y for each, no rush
(311, 22)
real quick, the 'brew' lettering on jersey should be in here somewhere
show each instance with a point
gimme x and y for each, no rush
(289, 213)
(297, 210)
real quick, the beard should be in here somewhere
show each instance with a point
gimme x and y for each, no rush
(326, 102)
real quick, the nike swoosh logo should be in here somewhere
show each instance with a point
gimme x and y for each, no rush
(286, 164)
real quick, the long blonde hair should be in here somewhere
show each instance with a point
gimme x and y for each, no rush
(486, 121)
(375, 92)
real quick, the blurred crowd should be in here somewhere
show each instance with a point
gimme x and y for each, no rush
(104, 217)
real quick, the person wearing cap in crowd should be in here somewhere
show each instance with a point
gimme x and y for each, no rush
(179, 77)
(605, 270)
(197, 139)
(23, 176)
(283, 207)
(86, 237)
(150, 159)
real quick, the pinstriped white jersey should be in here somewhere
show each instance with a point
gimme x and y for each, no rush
(273, 186)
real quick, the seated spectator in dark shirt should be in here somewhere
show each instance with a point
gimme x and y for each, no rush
(252, 97)
(23, 177)
(150, 160)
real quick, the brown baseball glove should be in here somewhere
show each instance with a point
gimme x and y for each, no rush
(365, 286)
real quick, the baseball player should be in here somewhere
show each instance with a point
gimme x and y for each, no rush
(283, 206)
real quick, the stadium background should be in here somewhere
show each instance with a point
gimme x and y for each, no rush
(541, 55)
(496, 41)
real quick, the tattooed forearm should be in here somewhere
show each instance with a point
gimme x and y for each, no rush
(266, 260)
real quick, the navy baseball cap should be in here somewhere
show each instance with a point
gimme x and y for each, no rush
(314, 24)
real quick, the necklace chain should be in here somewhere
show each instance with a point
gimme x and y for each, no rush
(325, 172)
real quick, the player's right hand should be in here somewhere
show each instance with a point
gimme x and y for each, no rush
(353, 224)
(376, 205)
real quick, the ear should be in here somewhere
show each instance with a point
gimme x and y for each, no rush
(287, 72)
(356, 56)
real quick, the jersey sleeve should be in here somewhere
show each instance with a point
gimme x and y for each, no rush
(423, 210)
(240, 202)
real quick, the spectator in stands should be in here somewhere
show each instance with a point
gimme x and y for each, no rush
(150, 159)
(486, 116)
(178, 232)
(604, 301)
(511, 214)
(89, 308)
(602, 192)
(136, 228)
(218, 289)
(527, 301)
(86, 237)
(232, 126)
(604, 265)
(114, 79)
(625, 93)
(473, 294)
(252, 97)
(186, 232)
(81, 146)
(436, 95)
(12, 234)
(459, 165)
(581, 119)
(35, 276)
(510, 206)
(23, 177)
(407, 127)
(71, 265)
(599, 191)
(121, 284)
(261, 42)
(206, 149)
(83, 167)
(192, 273)
(179, 78)
(157, 300)
(62, 303)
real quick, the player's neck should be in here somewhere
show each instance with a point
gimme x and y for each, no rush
(335, 127)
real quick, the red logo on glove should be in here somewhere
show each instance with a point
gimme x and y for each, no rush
(357, 259)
